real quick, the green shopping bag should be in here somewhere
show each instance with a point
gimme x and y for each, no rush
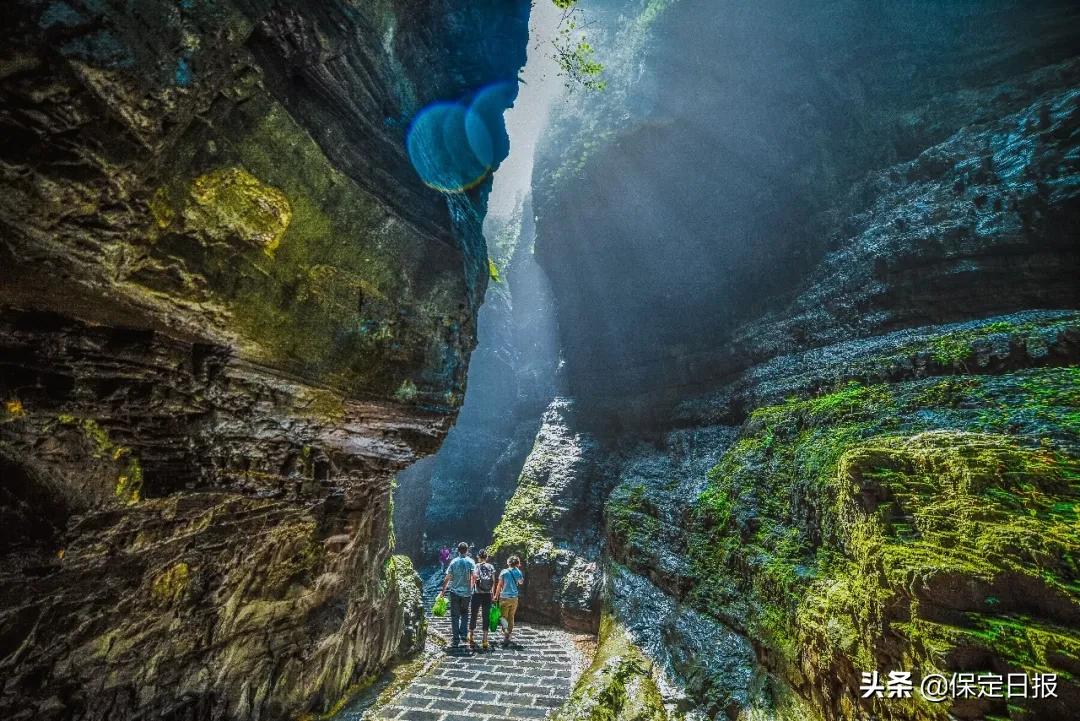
(440, 607)
(494, 616)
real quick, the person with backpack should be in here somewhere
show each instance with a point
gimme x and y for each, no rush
(459, 581)
(483, 585)
(506, 594)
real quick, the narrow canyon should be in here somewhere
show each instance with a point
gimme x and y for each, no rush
(753, 329)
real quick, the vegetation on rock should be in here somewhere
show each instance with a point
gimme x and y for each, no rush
(894, 526)
(618, 686)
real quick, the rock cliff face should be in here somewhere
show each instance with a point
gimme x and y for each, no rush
(711, 176)
(230, 311)
(553, 520)
(821, 331)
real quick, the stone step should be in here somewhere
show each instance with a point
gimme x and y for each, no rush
(522, 682)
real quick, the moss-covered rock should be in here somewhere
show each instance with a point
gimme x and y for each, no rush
(405, 582)
(618, 686)
(550, 525)
(895, 527)
(230, 311)
(232, 203)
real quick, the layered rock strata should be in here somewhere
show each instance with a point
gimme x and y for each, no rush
(230, 311)
(821, 332)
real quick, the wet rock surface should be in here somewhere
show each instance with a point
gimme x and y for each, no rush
(935, 145)
(230, 311)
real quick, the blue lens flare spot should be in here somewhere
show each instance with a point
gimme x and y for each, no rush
(439, 149)
(455, 146)
(484, 124)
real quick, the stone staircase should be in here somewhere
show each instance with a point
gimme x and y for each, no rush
(526, 681)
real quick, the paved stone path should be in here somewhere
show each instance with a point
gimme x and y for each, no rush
(524, 682)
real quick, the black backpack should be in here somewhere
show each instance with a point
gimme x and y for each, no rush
(485, 577)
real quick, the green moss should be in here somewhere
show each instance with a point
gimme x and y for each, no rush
(129, 480)
(1025, 643)
(322, 404)
(231, 202)
(391, 532)
(950, 392)
(129, 484)
(839, 516)
(170, 584)
(13, 410)
(953, 349)
(337, 289)
(521, 530)
(100, 439)
(714, 504)
(619, 684)
(161, 209)
(406, 392)
(351, 295)
(951, 486)
(1059, 388)
(297, 562)
(630, 518)
(850, 400)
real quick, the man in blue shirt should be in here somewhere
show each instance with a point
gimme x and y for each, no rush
(506, 594)
(459, 580)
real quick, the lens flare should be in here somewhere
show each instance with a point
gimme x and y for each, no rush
(484, 123)
(454, 146)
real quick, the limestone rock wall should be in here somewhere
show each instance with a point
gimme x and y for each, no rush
(552, 523)
(230, 311)
(731, 148)
(816, 293)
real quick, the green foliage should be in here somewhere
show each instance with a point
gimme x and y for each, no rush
(574, 55)
(406, 392)
(577, 61)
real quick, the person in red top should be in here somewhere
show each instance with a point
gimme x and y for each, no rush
(444, 557)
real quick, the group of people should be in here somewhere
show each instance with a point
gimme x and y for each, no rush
(473, 587)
